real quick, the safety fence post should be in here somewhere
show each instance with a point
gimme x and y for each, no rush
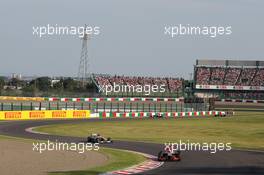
(149, 107)
(181, 107)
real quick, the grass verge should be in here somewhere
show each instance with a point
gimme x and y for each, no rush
(117, 160)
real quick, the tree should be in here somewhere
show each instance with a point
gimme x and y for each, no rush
(58, 85)
(29, 90)
(91, 87)
(15, 82)
(69, 84)
(43, 83)
(2, 84)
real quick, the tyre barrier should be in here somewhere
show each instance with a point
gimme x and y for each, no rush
(110, 99)
(85, 114)
(158, 114)
(113, 99)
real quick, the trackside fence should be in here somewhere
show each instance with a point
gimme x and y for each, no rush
(106, 106)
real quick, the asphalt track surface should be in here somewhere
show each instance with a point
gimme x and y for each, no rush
(233, 162)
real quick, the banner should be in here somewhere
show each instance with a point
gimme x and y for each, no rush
(22, 98)
(228, 87)
(45, 114)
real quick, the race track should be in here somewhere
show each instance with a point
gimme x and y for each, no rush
(193, 162)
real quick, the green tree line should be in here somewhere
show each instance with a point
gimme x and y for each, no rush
(43, 85)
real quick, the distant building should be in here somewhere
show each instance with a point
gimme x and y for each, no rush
(54, 82)
(16, 76)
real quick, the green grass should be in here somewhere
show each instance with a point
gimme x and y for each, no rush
(117, 160)
(244, 130)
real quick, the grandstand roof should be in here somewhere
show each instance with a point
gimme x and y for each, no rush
(229, 63)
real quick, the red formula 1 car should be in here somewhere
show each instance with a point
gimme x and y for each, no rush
(169, 156)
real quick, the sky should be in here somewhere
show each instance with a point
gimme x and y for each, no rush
(131, 40)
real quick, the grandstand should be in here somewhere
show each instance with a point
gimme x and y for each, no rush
(173, 86)
(229, 79)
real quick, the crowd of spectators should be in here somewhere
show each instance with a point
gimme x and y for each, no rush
(246, 77)
(233, 76)
(230, 76)
(174, 84)
(203, 75)
(259, 78)
(102, 80)
(217, 76)
(117, 80)
(171, 84)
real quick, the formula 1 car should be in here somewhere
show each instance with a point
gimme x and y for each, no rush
(97, 138)
(225, 114)
(169, 156)
(156, 116)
